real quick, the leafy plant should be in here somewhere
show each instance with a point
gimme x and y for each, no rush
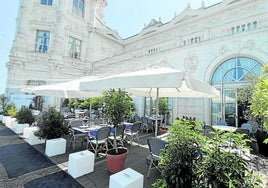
(182, 152)
(259, 102)
(118, 106)
(225, 164)
(25, 115)
(10, 110)
(51, 125)
(195, 161)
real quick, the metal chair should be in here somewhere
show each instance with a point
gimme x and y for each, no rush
(100, 141)
(247, 135)
(224, 123)
(146, 125)
(207, 129)
(134, 132)
(76, 135)
(120, 135)
(155, 147)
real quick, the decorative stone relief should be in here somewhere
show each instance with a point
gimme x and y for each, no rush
(223, 49)
(191, 62)
(58, 66)
(250, 44)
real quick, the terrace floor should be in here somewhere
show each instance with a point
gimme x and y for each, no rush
(23, 165)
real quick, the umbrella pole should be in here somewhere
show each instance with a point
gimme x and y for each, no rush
(156, 111)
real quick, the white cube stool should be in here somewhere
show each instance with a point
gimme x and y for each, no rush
(81, 163)
(34, 140)
(55, 146)
(20, 128)
(127, 178)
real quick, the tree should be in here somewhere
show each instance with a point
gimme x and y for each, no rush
(259, 102)
(118, 106)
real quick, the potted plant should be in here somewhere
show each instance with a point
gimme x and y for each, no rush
(163, 111)
(25, 119)
(51, 125)
(51, 128)
(183, 165)
(118, 106)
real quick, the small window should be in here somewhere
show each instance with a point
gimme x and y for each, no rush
(254, 24)
(74, 48)
(47, 2)
(232, 30)
(78, 7)
(243, 27)
(249, 26)
(42, 41)
(238, 29)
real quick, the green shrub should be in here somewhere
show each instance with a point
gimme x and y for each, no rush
(10, 110)
(25, 115)
(51, 125)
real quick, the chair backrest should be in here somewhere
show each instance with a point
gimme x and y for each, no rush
(137, 118)
(247, 126)
(136, 127)
(103, 133)
(155, 146)
(76, 123)
(120, 129)
(243, 131)
(207, 129)
(144, 120)
(221, 123)
(98, 121)
(231, 121)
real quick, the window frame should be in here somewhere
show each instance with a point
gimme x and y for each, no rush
(74, 47)
(46, 2)
(42, 41)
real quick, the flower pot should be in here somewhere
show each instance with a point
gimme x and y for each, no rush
(116, 161)
(163, 130)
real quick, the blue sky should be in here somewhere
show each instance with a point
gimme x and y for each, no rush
(126, 16)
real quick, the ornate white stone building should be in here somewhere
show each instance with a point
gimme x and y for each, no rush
(60, 40)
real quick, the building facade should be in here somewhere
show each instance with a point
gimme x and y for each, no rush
(60, 40)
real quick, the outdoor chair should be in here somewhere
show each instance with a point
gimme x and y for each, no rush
(146, 125)
(134, 132)
(247, 135)
(76, 135)
(120, 135)
(155, 147)
(100, 141)
(224, 123)
(207, 130)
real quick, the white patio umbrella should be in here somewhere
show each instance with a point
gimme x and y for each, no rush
(68, 89)
(156, 81)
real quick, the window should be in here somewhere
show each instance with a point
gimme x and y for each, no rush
(47, 2)
(74, 48)
(254, 24)
(78, 7)
(234, 70)
(42, 41)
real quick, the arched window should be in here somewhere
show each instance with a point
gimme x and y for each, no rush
(78, 7)
(235, 69)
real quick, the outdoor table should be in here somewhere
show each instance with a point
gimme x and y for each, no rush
(224, 128)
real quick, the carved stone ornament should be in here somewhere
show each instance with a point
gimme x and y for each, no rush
(191, 62)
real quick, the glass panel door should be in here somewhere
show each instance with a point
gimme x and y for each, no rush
(230, 107)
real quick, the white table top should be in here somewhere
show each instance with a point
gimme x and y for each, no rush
(224, 127)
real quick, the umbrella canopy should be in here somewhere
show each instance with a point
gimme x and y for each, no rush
(68, 89)
(173, 83)
(158, 82)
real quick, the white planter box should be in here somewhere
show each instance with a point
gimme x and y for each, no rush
(127, 178)
(81, 163)
(55, 146)
(34, 140)
(27, 131)
(20, 128)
